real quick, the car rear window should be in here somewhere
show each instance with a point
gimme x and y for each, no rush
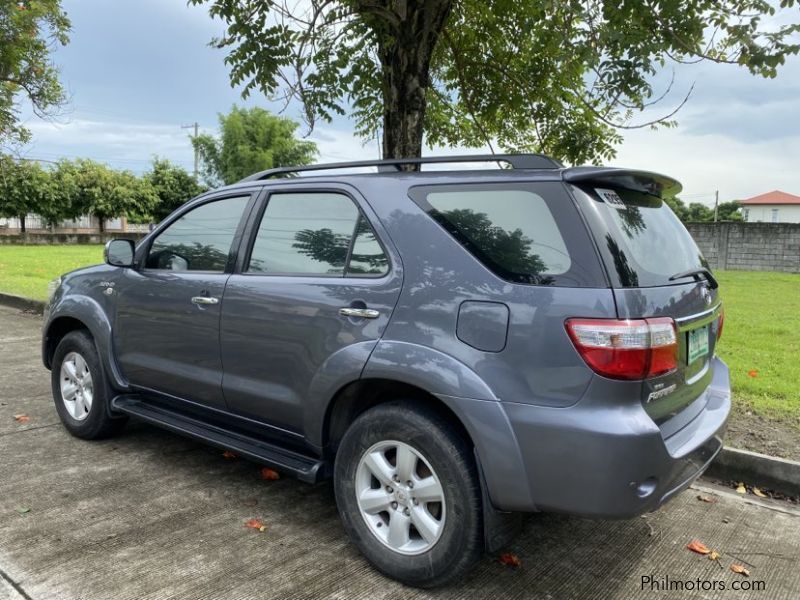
(642, 242)
(524, 232)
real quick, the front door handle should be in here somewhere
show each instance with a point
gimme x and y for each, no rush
(359, 313)
(204, 300)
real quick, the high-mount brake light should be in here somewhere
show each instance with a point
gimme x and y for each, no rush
(630, 349)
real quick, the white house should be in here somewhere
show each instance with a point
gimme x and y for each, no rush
(772, 207)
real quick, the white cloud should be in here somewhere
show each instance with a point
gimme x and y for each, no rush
(121, 145)
(705, 163)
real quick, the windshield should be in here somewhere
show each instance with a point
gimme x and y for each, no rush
(642, 241)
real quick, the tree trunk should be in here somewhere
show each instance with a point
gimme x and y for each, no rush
(101, 224)
(410, 31)
(22, 224)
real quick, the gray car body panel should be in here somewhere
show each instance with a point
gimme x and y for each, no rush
(283, 341)
(549, 433)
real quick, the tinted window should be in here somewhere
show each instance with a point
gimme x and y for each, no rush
(200, 240)
(511, 230)
(367, 257)
(642, 240)
(311, 234)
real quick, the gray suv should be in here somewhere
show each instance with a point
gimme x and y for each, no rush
(451, 347)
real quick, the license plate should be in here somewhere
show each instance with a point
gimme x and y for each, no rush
(698, 344)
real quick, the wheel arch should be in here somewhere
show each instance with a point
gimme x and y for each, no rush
(82, 312)
(360, 395)
(55, 332)
(500, 482)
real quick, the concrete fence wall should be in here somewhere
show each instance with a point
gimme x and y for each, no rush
(33, 239)
(749, 246)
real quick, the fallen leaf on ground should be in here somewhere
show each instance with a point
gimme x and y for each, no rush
(510, 560)
(753, 373)
(269, 474)
(22, 418)
(256, 524)
(228, 454)
(709, 499)
(740, 569)
(713, 555)
(698, 546)
(23, 509)
(759, 493)
(741, 489)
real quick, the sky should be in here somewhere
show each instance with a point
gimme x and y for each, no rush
(136, 71)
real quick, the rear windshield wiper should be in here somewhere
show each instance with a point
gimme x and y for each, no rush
(697, 273)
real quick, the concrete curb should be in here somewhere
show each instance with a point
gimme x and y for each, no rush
(21, 303)
(770, 472)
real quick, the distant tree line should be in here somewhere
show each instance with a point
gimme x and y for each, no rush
(694, 211)
(250, 140)
(73, 188)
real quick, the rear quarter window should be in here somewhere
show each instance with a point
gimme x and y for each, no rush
(528, 233)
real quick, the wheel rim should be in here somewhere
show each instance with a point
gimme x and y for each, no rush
(77, 391)
(400, 497)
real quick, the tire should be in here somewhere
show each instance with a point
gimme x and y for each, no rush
(85, 413)
(438, 452)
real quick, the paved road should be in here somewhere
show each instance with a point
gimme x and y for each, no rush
(151, 515)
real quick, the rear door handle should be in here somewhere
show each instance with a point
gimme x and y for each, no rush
(359, 313)
(204, 300)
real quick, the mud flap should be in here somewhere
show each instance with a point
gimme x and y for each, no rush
(499, 527)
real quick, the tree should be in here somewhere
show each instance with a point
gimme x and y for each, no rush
(106, 193)
(173, 185)
(678, 207)
(251, 140)
(17, 189)
(28, 30)
(729, 211)
(698, 212)
(557, 77)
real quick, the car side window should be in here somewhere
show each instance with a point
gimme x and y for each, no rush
(315, 233)
(367, 256)
(200, 240)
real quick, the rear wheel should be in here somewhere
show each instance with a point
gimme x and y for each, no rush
(408, 493)
(79, 389)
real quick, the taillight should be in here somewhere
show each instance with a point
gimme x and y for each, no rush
(720, 322)
(626, 349)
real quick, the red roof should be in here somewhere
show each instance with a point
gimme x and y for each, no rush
(775, 197)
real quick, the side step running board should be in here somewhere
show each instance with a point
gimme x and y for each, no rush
(305, 468)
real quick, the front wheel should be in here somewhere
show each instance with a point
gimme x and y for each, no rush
(408, 493)
(79, 390)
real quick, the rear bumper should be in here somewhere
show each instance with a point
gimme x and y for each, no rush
(600, 459)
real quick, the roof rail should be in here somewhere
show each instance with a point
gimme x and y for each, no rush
(517, 161)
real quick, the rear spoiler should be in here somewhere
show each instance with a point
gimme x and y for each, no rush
(628, 179)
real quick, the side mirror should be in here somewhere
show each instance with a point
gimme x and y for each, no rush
(119, 253)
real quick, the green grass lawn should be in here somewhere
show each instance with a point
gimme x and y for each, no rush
(26, 270)
(760, 342)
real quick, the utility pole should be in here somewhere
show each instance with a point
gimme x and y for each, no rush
(716, 205)
(196, 127)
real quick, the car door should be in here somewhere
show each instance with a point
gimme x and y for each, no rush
(166, 334)
(307, 304)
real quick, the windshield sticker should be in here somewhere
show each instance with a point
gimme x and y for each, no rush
(611, 197)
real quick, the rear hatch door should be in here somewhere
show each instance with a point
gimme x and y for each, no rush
(656, 270)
